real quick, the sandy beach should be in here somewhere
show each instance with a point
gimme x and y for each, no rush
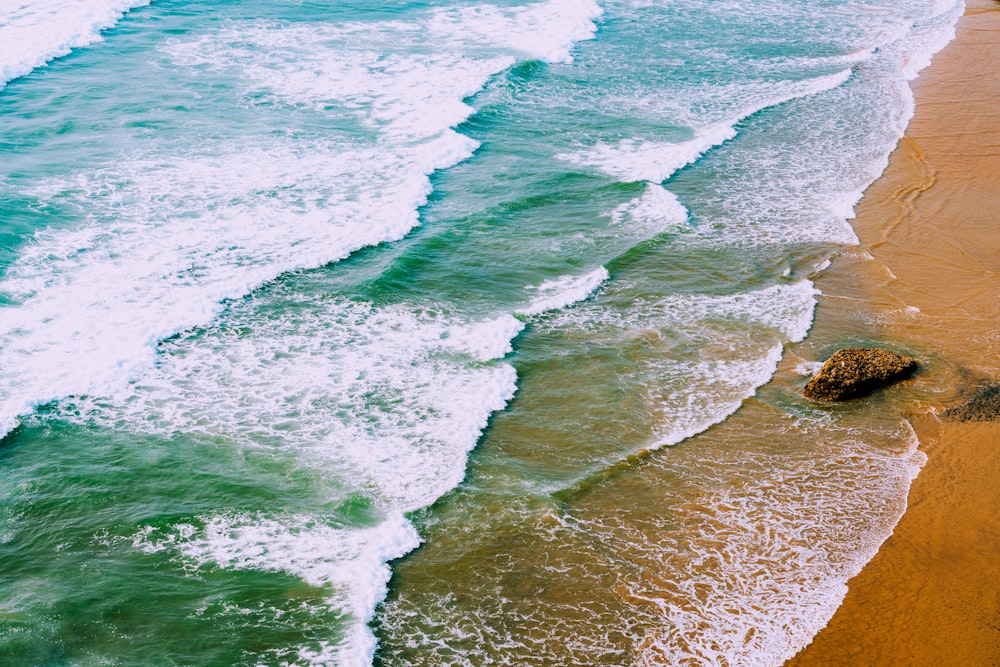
(930, 249)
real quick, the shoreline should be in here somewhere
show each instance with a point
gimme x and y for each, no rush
(926, 279)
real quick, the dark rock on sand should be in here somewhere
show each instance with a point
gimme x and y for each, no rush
(982, 406)
(858, 371)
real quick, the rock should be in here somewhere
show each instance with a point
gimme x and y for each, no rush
(858, 371)
(982, 406)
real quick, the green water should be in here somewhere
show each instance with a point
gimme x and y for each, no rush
(364, 333)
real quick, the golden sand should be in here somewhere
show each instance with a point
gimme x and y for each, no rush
(930, 246)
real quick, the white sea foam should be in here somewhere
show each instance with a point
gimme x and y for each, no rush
(387, 397)
(900, 61)
(774, 553)
(655, 161)
(386, 401)
(814, 190)
(492, 339)
(818, 180)
(930, 36)
(697, 394)
(486, 340)
(391, 397)
(369, 73)
(33, 33)
(171, 239)
(382, 400)
(657, 210)
(728, 347)
(786, 309)
(910, 54)
(350, 563)
(743, 559)
(543, 30)
(408, 79)
(167, 238)
(808, 368)
(563, 291)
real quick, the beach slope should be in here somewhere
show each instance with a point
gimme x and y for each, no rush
(930, 248)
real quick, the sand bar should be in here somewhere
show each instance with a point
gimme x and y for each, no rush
(927, 277)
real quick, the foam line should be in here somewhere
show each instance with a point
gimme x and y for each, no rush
(656, 210)
(564, 291)
(388, 400)
(349, 562)
(543, 30)
(165, 239)
(655, 161)
(93, 302)
(686, 396)
(34, 33)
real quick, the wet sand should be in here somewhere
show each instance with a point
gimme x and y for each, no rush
(926, 279)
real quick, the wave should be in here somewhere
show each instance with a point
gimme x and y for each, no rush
(167, 238)
(737, 340)
(387, 400)
(32, 34)
(172, 240)
(350, 562)
(740, 560)
(655, 161)
(561, 292)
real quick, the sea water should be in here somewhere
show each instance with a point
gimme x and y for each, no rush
(417, 332)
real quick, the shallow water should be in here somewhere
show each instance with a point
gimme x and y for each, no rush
(291, 289)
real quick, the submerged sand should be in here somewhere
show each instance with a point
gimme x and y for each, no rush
(930, 247)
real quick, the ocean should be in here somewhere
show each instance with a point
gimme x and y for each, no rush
(439, 332)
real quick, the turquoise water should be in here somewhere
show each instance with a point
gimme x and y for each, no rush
(351, 334)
